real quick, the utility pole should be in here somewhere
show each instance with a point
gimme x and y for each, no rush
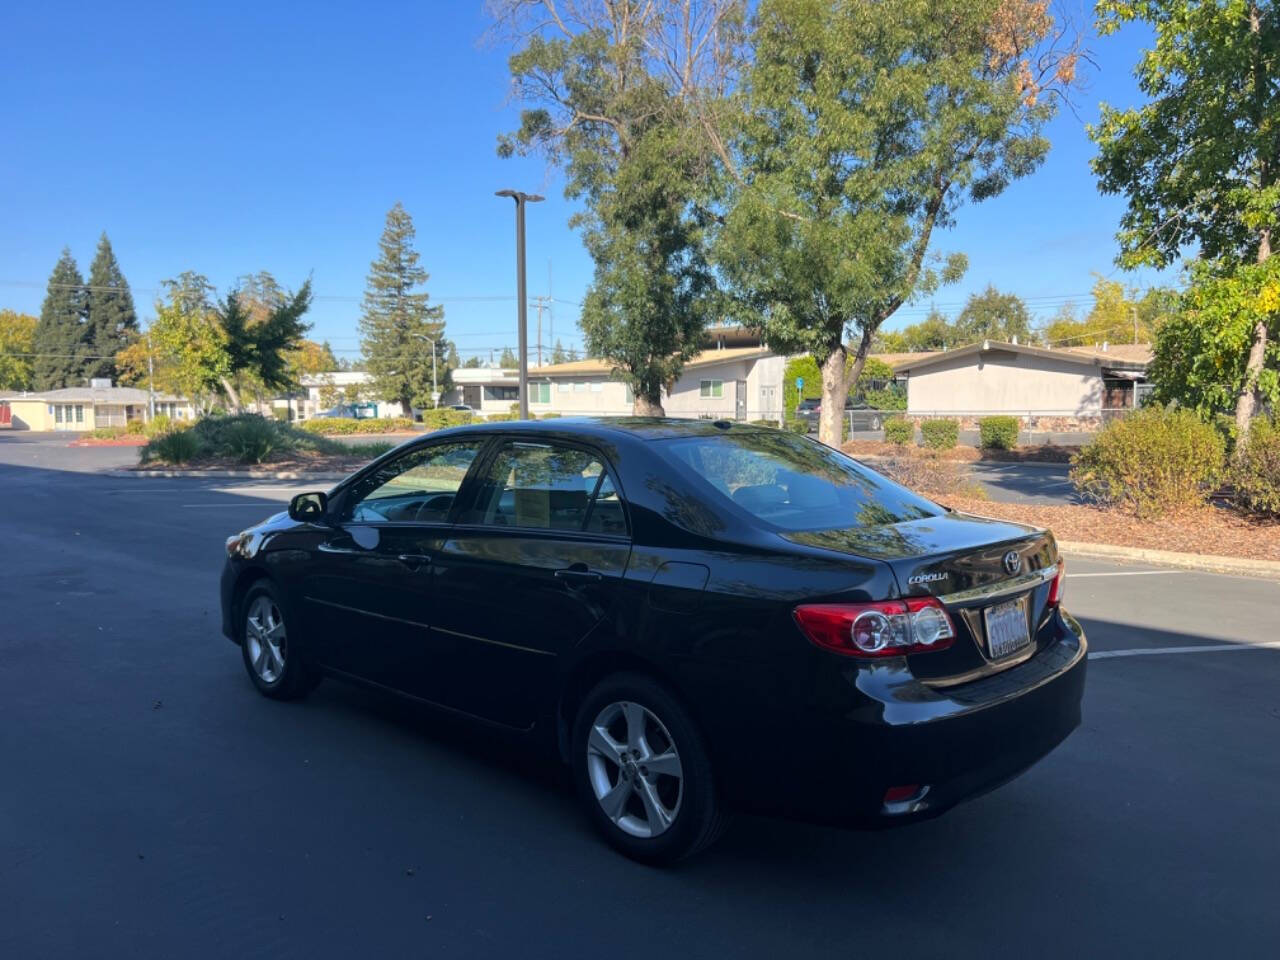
(1133, 312)
(522, 296)
(541, 302)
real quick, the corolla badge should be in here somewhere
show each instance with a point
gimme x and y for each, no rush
(926, 578)
(1012, 562)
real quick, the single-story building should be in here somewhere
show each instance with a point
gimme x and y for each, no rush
(89, 408)
(736, 383)
(1073, 386)
(324, 391)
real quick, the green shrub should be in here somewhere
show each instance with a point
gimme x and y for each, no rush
(254, 439)
(502, 416)
(940, 434)
(1255, 469)
(1154, 460)
(998, 433)
(345, 426)
(444, 417)
(796, 425)
(892, 397)
(550, 416)
(764, 423)
(105, 433)
(135, 426)
(157, 425)
(899, 430)
(281, 414)
(178, 446)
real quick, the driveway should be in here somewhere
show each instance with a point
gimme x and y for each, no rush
(153, 805)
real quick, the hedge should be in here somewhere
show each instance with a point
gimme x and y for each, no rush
(330, 426)
(940, 434)
(899, 430)
(998, 433)
(1255, 470)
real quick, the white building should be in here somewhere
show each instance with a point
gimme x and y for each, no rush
(734, 383)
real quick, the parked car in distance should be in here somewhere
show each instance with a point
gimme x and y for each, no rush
(857, 412)
(462, 408)
(696, 617)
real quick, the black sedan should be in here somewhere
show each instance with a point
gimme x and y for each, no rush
(697, 617)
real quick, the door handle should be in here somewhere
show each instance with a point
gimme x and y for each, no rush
(414, 561)
(579, 574)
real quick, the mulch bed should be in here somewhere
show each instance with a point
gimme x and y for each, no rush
(127, 440)
(1047, 453)
(1205, 530)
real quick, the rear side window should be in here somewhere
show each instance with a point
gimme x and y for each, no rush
(792, 483)
(548, 486)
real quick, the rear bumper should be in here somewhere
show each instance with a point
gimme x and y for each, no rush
(953, 744)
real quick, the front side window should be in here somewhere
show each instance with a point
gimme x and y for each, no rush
(711, 388)
(418, 487)
(547, 486)
(792, 483)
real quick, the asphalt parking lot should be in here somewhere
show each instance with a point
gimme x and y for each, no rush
(153, 805)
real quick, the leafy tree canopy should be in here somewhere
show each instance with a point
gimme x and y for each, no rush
(17, 342)
(866, 126)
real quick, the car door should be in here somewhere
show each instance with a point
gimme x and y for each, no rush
(533, 564)
(369, 597)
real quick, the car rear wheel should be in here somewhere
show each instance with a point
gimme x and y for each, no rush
(275, 666)
(642, 771)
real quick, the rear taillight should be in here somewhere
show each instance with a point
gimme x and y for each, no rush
(889, 628)
(1055, 588)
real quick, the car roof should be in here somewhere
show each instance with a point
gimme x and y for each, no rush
(644, 428)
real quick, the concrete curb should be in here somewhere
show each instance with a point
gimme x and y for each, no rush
(1207, 563)
(227, 475)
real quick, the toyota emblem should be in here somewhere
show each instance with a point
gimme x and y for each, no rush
(1012, 562)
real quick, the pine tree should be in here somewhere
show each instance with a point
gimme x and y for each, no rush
(508, 358)
(557, 353)
(399, 331)
(109, 312)
(61, 339)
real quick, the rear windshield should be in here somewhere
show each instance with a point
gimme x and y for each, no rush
(792, 483)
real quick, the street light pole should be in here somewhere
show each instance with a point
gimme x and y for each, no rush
(521, 297)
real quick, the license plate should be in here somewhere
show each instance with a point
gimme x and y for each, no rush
(1006, 628)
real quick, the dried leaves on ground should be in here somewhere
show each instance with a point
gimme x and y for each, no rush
(1207, 530)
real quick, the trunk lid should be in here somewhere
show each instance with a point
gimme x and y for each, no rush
(970, 563)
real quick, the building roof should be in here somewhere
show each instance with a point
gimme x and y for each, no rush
(1120, 356)
(595, 367)
(90, 395)
(335, 378)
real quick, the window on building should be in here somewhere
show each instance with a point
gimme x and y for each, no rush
(564, 386)
(57, 413)
(539, 393)
(711, 388)
(597, 386)
(79, 413)
(502, 393)
(580, 387)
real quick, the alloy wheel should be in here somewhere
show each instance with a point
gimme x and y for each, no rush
(264, 639)
(634, 769)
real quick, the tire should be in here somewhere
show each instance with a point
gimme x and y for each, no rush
(650, 815)
(274, 664)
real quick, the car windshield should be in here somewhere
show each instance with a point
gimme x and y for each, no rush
(792, 483)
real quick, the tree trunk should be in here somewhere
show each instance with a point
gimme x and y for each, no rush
(1247, 401)
(406, 405)
(233, 398)
(646, 406)
(835, 387)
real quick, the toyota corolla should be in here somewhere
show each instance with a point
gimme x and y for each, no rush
(697, 617)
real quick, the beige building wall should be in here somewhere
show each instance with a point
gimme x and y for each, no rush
(1006, 382)
(582, 395)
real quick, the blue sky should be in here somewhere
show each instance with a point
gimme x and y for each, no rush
(238, 137)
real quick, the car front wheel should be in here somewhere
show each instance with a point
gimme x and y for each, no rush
(273, 662)
(643, 773)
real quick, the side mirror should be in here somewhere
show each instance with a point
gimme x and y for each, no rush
(308, 507)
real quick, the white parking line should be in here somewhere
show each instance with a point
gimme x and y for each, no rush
(1125, 573)
(1156, 651)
